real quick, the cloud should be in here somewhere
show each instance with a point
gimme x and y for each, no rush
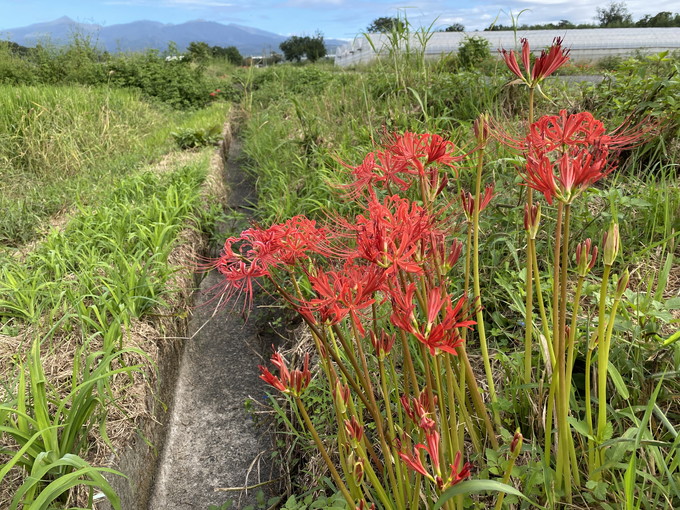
(192, 4)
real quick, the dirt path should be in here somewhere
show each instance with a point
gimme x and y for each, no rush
(212, 441)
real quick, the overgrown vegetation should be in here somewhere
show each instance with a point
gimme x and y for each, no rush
(305, 121)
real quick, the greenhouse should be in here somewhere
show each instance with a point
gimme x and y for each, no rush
(585, 44)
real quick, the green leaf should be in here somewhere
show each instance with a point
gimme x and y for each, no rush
(474, 486)
(618, 381)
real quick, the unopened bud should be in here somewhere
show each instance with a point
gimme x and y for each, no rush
(610, 244)
(586, 254)
(358, 471)
(622, 284)
(532, 219)
(516, 444)
(354, 429)
(341, 397)
(481, 129)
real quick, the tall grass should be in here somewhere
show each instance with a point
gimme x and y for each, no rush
(62, 144)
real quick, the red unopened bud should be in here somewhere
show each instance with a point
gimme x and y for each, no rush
(610, 243)
(586, 254)
(532, 219)
(341, 397)
(354, 429)
(481, 129)
(516, 444)
(622, 284)
(382, 344)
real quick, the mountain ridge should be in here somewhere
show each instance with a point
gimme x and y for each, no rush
(141, 35)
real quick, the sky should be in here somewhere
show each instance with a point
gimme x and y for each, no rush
(335, 19)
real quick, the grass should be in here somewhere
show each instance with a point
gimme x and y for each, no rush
(68, 144)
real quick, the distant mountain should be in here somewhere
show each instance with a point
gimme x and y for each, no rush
(142, 35)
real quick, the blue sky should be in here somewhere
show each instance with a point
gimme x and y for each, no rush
(342, 19)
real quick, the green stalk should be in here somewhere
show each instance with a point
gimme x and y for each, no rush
(589, 412)
(572, 328)
(322, 449)
(564, 432)
(601, 368)
(391, 435)
(541, 306)
(477, 292)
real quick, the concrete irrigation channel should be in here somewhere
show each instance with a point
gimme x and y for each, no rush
(207, 447)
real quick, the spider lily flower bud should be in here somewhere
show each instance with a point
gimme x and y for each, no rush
(532, 219)
(354, 429)
(610, 242)
(341, 397)
(293, 382)
(516, 444)
(382, 344)
(622, 284)
(481, 129)
(586, 255)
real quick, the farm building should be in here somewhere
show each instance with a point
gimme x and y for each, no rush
(586, 44)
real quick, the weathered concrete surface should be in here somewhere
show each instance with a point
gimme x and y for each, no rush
(212, 441)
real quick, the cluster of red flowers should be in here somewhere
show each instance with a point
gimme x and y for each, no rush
(404, 160)
(567, 153)
(417, 411)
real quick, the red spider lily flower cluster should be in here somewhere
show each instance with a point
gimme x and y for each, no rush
(414, 461)
(441, 332)
(550, 61)
(391, 233)
(342, 293)
(256, 252)
(293, 382)
(567, 153)
(418, 410)
(467, 200)
(404, 160)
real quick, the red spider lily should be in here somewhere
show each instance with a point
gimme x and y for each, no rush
(457, 474)
(549, 61)
(391, 234)
(421, 150)
(563, 131)
(342, 293)
(255, 252)
(414, 461)
(443, 335)
(288, 381)
(468, 200)
(418, 410)
(568, 176)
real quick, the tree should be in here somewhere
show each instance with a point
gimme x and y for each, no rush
(296, 47)
(456, 27)
(198, 51)
(614, 15)
(230, 53)
(385, 25)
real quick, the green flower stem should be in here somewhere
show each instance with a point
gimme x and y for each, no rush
(528, 315)
(398, 484)
(477, 292)
(601, 368)
(572, 328)
(589, 411)
(541, 307)
(476, 396)
(322, 449)
(375, 481)
(447, 410)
